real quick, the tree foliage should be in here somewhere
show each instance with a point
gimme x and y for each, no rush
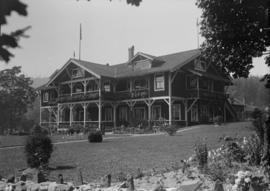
(234, 32)
(8, 41)
(250, 89)
(16, 95)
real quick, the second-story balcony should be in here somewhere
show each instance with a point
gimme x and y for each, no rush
(78, 97)
(206, 94)
(134, 94)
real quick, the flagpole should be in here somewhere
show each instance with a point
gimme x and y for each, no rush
(80, 41)
(197, 27)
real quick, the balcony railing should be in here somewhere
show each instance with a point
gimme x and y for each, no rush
(134, 94)
(78, 97)
(205, 94)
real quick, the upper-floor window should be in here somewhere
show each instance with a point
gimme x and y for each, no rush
(45, 96)
(77, 73)
(107, 86)
(199, 65)
(159, 83)
(192, 82)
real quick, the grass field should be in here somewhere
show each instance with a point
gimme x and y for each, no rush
(123, 154)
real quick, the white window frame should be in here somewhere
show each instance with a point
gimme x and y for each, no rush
(153, 109)
(46, 97)
(107, 86)
(156, 88)
(108, 114)
(79, 73)
(199, 65)
(174, 111)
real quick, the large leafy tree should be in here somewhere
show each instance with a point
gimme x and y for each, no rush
(16, 95)
(8, 41)
(235, 31)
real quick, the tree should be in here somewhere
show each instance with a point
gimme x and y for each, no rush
(16, 95)
(235, 32)
(8, 41)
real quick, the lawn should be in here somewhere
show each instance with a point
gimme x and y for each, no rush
(123, 154)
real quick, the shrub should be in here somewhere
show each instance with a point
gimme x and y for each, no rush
(217, 171)
(38, 150)
(253, 149)
(201, 154)
(171, 129)
(37, 130)
(95, 137)
(218, 120)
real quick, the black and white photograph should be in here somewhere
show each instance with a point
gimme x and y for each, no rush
(134, 95)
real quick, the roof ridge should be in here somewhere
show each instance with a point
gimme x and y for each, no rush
(179, 52)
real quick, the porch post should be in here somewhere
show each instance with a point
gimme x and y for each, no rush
(114, 115)
(71, 89)
(70, 114)
(58, 115)
(84, 114)
(186, 111)
(170, 98)
(99, 114)
(149, 113)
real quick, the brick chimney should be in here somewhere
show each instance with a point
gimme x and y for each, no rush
(130, 53)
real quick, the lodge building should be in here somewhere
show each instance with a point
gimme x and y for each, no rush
(177, 88)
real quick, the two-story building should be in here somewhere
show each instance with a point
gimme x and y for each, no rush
(177, 88)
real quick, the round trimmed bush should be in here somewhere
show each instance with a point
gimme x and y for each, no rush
(95, 137)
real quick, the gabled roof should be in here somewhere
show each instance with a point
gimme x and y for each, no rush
(170, 62)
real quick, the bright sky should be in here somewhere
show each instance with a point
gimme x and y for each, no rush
(157, 27)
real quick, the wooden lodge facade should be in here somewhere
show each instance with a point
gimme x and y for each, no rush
(176, 88)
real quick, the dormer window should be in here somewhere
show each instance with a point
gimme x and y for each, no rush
(77, 73)
(199, 65)
(46, 97)
(107, 86)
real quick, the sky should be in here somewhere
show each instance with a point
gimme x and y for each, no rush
(109, 28)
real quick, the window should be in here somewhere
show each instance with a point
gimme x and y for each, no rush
(107, 86)
(159, 83)
(192, 82)
(156, 112)
(139, 113)
(123, 113)
(45, 96)
(199, 65)
(176, 112)
(204, 112)
(194, 113)
(77, 73)
(108, 114)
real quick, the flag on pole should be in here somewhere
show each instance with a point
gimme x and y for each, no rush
(80, 31)
(74, 54)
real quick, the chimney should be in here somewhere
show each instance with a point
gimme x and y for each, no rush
(130, 53)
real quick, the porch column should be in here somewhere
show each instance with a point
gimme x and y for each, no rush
(114, 115)
(84, 86)
(170, 111)
(84, 114)
(70, 114)
(58, 115)
(71, 89)
(149, 113)
(99, 114)
(170, 98)
(186, 111)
